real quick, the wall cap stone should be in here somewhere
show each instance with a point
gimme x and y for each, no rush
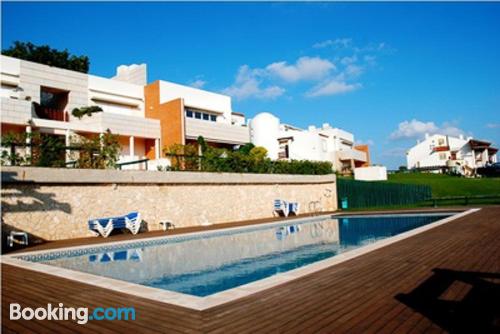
(99, 176)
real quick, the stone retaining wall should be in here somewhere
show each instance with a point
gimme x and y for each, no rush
(55, 204)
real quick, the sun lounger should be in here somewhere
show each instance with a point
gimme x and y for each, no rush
(285, 208)
(104, 226)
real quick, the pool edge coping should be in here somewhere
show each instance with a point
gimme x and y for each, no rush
(223, 297)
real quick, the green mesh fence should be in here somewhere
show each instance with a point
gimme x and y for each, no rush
(362, 194)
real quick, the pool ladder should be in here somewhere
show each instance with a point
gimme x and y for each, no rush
(315, 207)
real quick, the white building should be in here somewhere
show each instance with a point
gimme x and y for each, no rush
(40, 97)
(185, 113)
(439, 152)
(147, 118)
(284, 141)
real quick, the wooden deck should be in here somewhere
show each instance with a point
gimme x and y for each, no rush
(444, 280)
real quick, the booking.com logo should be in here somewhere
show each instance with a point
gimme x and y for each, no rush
(81, 314)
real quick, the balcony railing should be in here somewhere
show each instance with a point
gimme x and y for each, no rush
(51, 113)
(441, 148)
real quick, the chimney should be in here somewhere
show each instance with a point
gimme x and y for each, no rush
(426, 136)
(461, 137)
(134, 74)
(311, 128)
(326, 126)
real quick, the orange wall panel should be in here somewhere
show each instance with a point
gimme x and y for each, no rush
(170, 114)
(366, 149)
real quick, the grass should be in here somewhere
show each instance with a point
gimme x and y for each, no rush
(446, 185)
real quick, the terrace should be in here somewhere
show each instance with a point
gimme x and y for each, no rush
(428, 282)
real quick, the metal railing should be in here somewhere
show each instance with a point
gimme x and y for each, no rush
(466, 200)
(128, 163)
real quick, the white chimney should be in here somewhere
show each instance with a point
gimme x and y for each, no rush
(426, 136)
(461, 137)
(326, 126)
(134, 74)
(311, 128)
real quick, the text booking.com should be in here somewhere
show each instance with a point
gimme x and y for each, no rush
(81, 315)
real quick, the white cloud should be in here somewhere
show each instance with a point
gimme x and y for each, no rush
(305, 68)
(339, 42)
(352, 70)
(370, 60)
(332, 87)
(417, 129)
(198, 83)
(248, 84)
(493, 125)
(349, 60)
(337, 74)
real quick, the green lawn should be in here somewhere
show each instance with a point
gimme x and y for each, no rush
(445, 185)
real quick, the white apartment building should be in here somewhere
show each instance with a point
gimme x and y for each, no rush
(284, 141)
(40, 97)
(439, 152)
(147, 118)
(185, 113)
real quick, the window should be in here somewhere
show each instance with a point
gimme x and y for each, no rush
(441, 141)
(442, 156)
(200, 114)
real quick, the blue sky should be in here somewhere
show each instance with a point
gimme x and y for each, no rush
(387, 72)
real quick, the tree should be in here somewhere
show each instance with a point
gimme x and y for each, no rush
(44, 54)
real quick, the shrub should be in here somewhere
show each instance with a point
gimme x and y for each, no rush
(247, 159)
(50, 151)
(80, 112)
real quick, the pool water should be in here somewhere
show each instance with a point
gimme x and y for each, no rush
(202, 265)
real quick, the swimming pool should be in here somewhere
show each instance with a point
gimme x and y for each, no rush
(208, 263)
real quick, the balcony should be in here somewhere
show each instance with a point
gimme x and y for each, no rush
(126, 125)
(352, 154)
(217, 132)
(51, 113)
(441, 148)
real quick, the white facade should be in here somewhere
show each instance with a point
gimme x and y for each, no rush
(440, 151)
(25, 82)
(207, 114)
(198, 99)
(284, 141)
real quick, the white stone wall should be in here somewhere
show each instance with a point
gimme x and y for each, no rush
(33, 76)
(56, 204)
(15, 111)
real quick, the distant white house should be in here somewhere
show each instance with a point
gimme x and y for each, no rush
(439, 152)
(287, 142)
